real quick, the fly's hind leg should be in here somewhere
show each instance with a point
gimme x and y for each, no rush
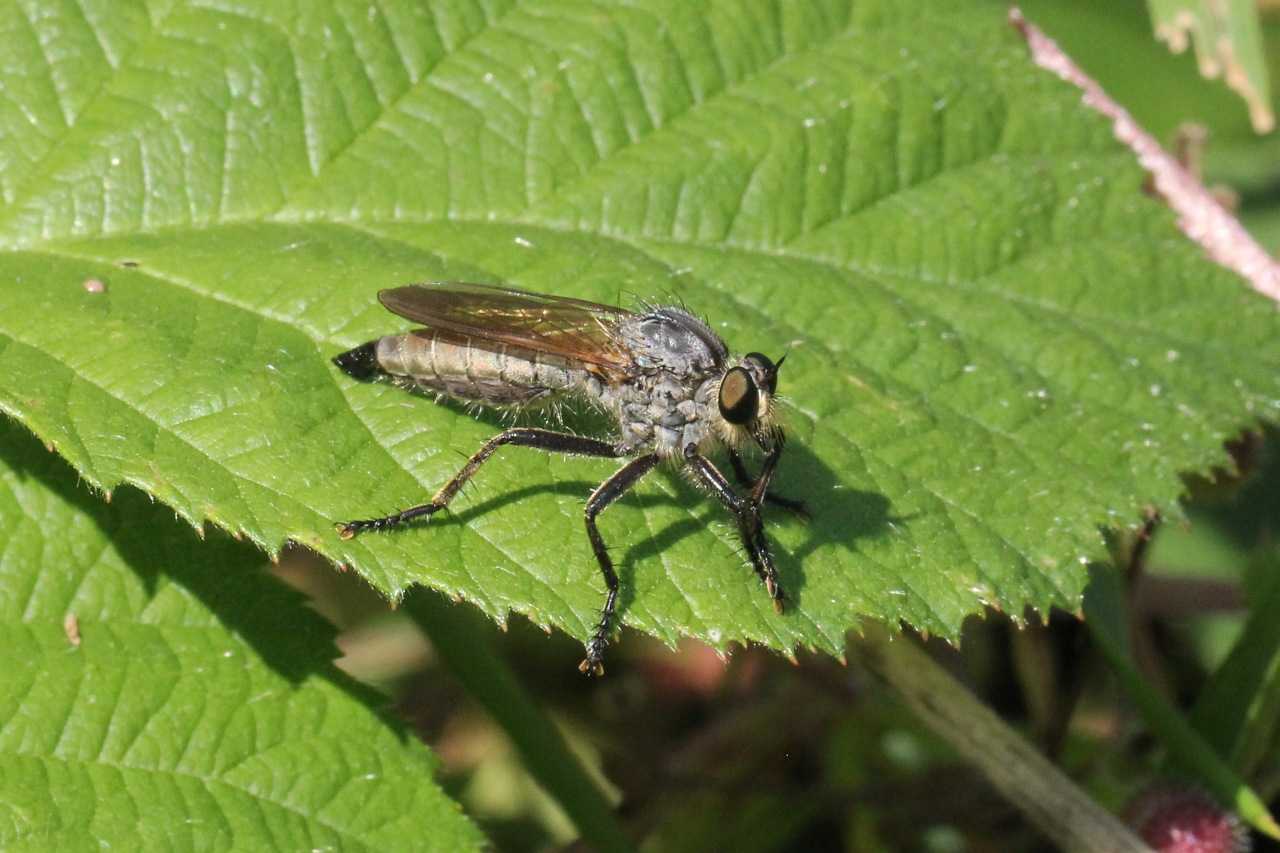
(541, 439)
(608, 492)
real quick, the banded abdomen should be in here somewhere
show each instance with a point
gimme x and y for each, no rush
(464, 368)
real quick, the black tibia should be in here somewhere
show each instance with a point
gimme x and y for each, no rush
(608, 492)
(746, 480)
(542, 439)
(747, 511)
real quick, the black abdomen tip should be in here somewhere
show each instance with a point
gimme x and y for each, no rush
(361, 362)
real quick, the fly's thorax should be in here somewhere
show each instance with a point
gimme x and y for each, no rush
(666, 401)
(673, 341)
(482, 372)
(662, 412)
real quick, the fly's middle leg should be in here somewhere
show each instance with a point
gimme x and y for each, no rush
(541, 439)
(608, 492)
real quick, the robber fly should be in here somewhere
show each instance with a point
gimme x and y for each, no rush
(662, 373)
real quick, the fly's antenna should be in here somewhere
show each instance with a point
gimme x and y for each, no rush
(777, 365)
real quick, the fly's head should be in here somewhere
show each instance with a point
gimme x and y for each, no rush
(747, 401)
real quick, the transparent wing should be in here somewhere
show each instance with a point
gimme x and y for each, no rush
(556, 325)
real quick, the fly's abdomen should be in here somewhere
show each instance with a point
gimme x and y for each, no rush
(496, 374)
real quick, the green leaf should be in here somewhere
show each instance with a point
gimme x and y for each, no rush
(1228, 44)
(1236, 712)
(159, 692)
(997, 344)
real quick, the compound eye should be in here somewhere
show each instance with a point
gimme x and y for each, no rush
(739, 397)
(768, 371)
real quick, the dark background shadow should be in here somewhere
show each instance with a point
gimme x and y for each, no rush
(227, 576)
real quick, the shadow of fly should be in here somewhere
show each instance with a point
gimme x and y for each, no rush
(670, 382)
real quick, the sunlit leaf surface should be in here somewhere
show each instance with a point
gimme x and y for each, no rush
(997, 345)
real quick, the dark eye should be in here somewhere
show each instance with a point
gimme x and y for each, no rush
(739, 397)
(766, 370)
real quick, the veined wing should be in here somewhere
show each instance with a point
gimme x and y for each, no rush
(556, 325)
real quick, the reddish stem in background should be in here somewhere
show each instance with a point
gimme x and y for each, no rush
(1200, 216)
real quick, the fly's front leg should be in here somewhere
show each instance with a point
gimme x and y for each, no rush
(542, 439)
(608, 492)
(749, 482)
(747, 510)
(760, 488)
(760, 493)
